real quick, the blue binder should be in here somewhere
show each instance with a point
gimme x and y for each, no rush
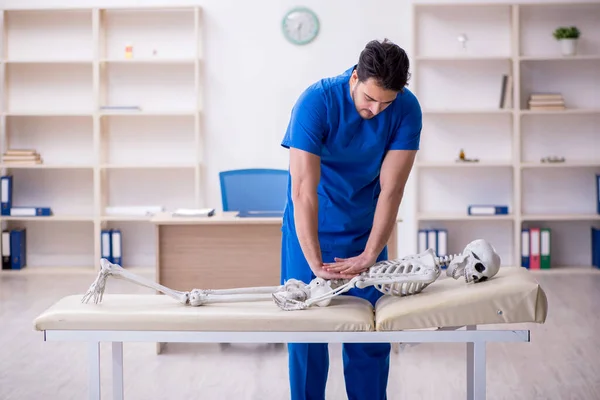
(26, 211)
(116, 248)
(596, 247)
(6, 191)
(106, 245)
(18, 245)
(6, 259)
(525, 251)
(598, 193)
(487, 209)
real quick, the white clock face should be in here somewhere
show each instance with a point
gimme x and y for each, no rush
(300, 26)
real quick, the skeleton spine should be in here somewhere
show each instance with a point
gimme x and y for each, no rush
(444, 261)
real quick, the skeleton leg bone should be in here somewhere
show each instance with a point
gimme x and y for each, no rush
(96, 289)
(196, 297)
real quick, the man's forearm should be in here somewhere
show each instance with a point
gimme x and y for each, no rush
(383, 222)
(306, 216)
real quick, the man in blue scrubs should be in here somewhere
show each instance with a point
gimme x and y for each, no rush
(352, 139)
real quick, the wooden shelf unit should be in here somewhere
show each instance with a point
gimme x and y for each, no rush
(58, 69)
(459, 89)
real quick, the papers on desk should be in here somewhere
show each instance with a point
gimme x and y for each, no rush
(142, 211)
(194, 212)
(260, 214)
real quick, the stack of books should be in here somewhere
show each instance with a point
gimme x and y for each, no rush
(546, 101)
(18, 156)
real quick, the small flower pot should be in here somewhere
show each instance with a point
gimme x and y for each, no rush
(568, 47)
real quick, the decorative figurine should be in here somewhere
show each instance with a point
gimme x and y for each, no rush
(128, 50)
(462, 158)
(463, 40)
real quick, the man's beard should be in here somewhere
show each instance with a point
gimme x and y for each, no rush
(360, 112)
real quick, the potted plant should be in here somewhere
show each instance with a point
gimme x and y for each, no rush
(567, 36)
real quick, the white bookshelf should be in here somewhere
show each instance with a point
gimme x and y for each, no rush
(459, 89)
(58, 68)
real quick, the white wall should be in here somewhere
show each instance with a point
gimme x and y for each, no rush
(253, 76)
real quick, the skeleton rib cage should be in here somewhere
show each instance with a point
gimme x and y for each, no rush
(394, 278)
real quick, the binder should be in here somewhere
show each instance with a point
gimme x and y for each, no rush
(30, 211)
(598, 193)
(545, 248)
(421, 240)
(105, 245)
(596, 247)
(6, 260)
(525, 247)
(6, 193)
(18, 245)
(116, 253)
(485, 209)
(534, 247)
(432, 240)
(442, 243)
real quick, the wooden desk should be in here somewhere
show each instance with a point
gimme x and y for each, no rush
(222, 251)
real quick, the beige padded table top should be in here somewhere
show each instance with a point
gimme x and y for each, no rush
(149, 312)
(511, 296)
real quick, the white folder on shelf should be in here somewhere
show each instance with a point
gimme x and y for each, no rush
(432, 239)
(105, 245)
(442, 242)
(116, 251)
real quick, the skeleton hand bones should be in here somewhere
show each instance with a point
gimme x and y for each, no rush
(401, 277)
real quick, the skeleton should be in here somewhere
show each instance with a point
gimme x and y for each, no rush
(400, 277)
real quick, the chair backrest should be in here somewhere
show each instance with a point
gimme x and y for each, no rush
(254, 189)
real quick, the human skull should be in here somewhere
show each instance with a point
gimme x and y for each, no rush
(477, 263)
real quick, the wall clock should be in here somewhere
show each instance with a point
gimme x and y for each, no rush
(300, 25)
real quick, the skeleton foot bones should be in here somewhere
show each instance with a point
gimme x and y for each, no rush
(400, 277)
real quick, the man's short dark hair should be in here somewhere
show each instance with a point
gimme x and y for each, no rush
(385, 62)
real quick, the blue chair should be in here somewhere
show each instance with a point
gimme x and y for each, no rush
(248, 190)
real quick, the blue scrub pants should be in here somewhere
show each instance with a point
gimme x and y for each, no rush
(366, 365)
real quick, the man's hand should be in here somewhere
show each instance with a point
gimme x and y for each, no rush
(351, 266)
(325, 274)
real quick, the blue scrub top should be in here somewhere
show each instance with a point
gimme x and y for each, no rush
(325, 122)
